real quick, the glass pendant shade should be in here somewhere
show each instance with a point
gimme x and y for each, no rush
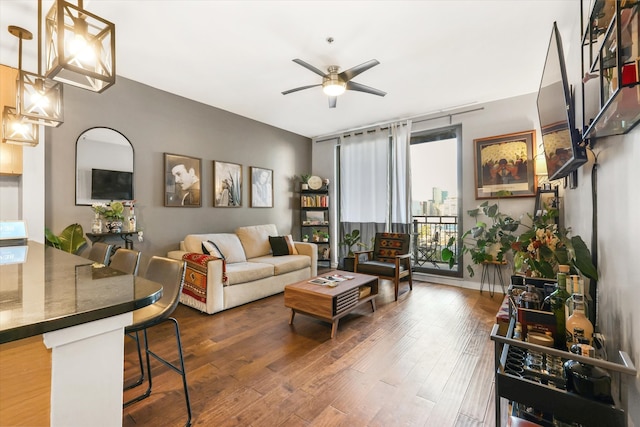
(39, 100)
(80, 47)
(15, 130)
(335, 88)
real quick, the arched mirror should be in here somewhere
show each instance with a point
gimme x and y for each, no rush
(104, 166)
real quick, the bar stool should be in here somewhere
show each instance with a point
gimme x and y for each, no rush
(170, 273)
(125, 260)
(100, 253)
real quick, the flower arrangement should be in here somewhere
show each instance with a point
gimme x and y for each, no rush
(112, 211)
(539, 250)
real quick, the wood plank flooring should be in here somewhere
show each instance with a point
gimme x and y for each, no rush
(425, 360)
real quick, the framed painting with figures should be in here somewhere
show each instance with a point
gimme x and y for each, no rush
(504, 166)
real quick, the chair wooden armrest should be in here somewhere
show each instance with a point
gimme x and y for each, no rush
(356, 260)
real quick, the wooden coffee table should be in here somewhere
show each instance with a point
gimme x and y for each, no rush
(331, 303)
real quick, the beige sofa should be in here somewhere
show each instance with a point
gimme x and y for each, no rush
(248, 272)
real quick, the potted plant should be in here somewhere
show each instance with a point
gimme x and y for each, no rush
(315, 233)
(544, 246)
(304, 179)
(114, 215)
(305, 238)
(485, 241)
(350, 240)
(70, 240)
(324, 236)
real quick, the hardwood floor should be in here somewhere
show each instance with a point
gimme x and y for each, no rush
(425, 360)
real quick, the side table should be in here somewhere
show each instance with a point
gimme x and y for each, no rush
(124, 235)
(497, 272)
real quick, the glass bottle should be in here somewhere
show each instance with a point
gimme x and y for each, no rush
(579, 328)
(557, 301)
(575, 286)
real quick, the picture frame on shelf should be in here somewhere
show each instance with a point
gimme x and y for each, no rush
(546, 198)
(182, 181)
(261, 187)
(314, 218)
(227, 184)
(504, 166)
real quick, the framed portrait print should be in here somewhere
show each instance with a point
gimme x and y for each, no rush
(261, 187)
(182, 180)
(504, 166)
(227, 185)
(546, 198)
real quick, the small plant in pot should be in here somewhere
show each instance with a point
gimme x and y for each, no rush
(304, 179)
(350, 240)
(485, 242)
(305, 238)
(324, 236)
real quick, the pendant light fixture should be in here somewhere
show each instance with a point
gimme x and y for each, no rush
(15, 130)
(39, 100)
(80, 47)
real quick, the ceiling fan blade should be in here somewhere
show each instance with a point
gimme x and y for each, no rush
(347, 75)
(309, 67)
(286, 92)
(364, 88)
(332, 101)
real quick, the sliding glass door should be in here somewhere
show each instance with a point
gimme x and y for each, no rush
(436, 178)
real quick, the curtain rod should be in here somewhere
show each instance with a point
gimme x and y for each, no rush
(383, 126)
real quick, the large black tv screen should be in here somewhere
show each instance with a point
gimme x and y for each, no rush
(111, 185)
(560, 138)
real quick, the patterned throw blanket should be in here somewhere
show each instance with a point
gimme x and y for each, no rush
(195, 278)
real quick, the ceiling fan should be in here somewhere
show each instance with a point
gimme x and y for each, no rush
(334, 83)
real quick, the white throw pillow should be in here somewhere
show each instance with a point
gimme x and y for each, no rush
(230, 246)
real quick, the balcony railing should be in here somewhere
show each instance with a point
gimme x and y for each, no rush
(430, 235)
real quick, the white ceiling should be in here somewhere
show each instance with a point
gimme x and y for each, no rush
(237, 55)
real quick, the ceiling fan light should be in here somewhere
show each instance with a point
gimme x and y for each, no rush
(334, 88)
(80, 47)
(17, 131)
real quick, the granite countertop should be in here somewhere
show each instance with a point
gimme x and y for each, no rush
(43, 289)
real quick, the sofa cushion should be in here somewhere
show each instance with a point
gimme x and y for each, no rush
(243, 272)
(255, 239)
(210, 248)
(284, 264)
(282, 245)
(228, 243)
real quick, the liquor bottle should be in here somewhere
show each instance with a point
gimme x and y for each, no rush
(557, 301)
(579, 328)
(575, 286)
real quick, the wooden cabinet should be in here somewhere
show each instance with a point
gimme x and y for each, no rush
(10, 155)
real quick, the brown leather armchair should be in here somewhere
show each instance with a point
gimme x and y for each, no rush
(390, 259)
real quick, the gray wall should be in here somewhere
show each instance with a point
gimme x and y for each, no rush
(157, 122)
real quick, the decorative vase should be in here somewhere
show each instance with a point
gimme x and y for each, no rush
(115, 226)
(96, 224)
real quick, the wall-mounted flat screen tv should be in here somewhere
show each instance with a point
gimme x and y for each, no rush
(560, 138)
(111, 185)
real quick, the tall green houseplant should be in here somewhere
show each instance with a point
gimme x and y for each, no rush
(486, 241)
(70, 240)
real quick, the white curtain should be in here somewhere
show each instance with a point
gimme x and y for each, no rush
(375, 193)
(400, 177)
(364, 177)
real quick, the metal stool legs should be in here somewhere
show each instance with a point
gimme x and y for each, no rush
(179, 369)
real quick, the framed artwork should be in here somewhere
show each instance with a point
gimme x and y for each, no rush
(504, 166)
(182, 180)
(546, 198)
(227, 185)
(261, 187)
